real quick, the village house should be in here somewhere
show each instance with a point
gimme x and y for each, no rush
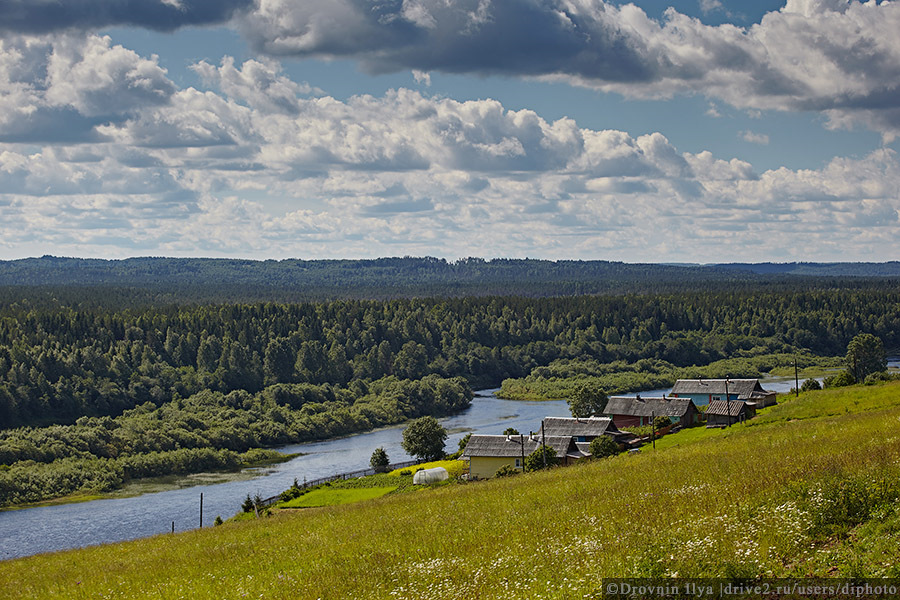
(487, 453)
(705, 391)
(627, 411)
(722, 414)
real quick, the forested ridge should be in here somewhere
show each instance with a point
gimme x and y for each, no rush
(149, 280)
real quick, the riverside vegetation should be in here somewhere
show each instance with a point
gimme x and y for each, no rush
(92, 395)
(810, 487)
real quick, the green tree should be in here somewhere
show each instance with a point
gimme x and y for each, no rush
(464, 441)
(379, 460)
(603, 446)
(587, 401)
(424, 438)
(535, 460)
(510, 431)
(865, 355)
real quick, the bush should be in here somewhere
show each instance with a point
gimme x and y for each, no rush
(506, 471)
(842, 379)
(661, 422)
(810, 385)
(535, 460)
(603, 446)
(874, 378)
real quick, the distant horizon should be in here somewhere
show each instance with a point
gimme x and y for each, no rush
(459, 260)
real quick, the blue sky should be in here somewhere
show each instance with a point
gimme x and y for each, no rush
(689, 131)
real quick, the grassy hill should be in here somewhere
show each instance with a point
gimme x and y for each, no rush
(809, 488)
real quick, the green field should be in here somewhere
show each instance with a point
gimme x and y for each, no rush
(333, 497)
(811, 488)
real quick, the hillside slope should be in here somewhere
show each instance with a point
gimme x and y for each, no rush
(792, 494)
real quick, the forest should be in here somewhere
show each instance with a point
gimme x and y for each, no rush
(155, 388)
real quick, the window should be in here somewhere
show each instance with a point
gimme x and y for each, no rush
(518, 463)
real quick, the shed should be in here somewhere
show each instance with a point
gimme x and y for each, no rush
(430, 476)
(721, 413)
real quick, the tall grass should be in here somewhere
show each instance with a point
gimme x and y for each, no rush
(789, 496)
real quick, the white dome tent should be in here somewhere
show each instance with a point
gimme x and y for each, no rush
(430, 476)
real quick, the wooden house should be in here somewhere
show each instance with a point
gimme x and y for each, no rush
(721, 413)
(487, 453)
(627, 411)
(705, 391)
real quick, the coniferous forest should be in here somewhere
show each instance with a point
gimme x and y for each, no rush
(99, 385)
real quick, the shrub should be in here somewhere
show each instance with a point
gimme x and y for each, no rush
(661, 422)
(535, 460)
(603, 446)
(810, 385)
(842, 379)
(506, 471)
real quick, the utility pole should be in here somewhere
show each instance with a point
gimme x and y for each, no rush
(727, 404)
(201, 510)
(653, 427)
(543, 444)
(522, 443)
(796, 378)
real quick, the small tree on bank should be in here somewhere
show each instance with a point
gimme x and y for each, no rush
(865, 355)
(810, 385)
(587, 401)
(379, 461)
(424, 438)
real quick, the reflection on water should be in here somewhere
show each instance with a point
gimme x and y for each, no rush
(43, 529)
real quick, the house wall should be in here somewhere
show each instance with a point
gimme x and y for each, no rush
(621, 421)
(484, 467)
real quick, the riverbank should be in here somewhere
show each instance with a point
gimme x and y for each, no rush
(562, 379)
(163, 483)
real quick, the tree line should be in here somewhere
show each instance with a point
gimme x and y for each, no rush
(59, 363)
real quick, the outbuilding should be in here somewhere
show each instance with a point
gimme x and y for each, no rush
(721, 413)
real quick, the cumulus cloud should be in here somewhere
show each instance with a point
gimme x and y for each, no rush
(61, 90)
(46, 16)
(839, 57)
(257, 165)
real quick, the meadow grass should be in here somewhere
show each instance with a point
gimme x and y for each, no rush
(333, 497)
(787, 497)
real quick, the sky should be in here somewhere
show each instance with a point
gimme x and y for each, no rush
(654, 131)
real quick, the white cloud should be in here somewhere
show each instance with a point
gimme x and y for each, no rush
(255, 166)
(755, 138)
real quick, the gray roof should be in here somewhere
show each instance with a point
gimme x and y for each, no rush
(645, 407)
(589, 427)
(744, 388)
(720, 407)
(511, 445)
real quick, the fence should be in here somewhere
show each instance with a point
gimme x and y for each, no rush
(339, 477)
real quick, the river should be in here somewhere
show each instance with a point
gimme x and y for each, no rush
(48, 528)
